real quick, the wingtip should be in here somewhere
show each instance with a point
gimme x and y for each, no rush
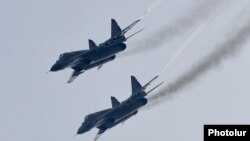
(97, 137)
(71, 79)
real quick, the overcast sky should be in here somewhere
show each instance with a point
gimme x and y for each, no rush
(38, 106)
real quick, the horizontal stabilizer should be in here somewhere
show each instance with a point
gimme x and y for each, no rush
(115, 102)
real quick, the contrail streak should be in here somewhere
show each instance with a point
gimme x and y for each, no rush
(154, 41)
(150, 9)
(225, 50)
(186, 43)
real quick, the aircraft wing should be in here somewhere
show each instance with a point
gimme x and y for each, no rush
(74, 75)
(78, 69)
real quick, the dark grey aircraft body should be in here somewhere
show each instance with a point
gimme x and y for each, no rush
(119, 112)
(96, 56)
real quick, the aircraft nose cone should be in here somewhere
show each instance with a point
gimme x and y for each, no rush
(79, 132)
(82, 130)
(55, 67)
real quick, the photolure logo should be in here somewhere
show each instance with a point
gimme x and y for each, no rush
(223, 132)
(215, 132)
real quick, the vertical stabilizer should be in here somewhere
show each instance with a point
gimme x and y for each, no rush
(115, 102)
(136, 86)
(92, 44)
(115, 28)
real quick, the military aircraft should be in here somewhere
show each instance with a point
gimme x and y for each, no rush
(96, 56)
(120, 111)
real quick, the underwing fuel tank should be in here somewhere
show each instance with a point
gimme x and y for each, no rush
(100, 62)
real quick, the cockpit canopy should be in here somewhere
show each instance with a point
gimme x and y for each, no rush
(61, 55)
(86, 117)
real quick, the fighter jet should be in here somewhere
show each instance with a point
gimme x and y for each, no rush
(120, 111)
(96, 56)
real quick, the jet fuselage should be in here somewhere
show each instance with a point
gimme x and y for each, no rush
(119, 113)
(87, 57)
(110, 117)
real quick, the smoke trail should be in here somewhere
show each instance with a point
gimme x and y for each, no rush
(185, 44)
(200, 12)
(151, 8)
(223, 51)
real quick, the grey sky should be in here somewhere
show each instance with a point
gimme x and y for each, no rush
(39, 106)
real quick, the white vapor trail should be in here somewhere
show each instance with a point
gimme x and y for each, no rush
(150, 9)
(186, 43)
(200, 11)
(224, 50)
